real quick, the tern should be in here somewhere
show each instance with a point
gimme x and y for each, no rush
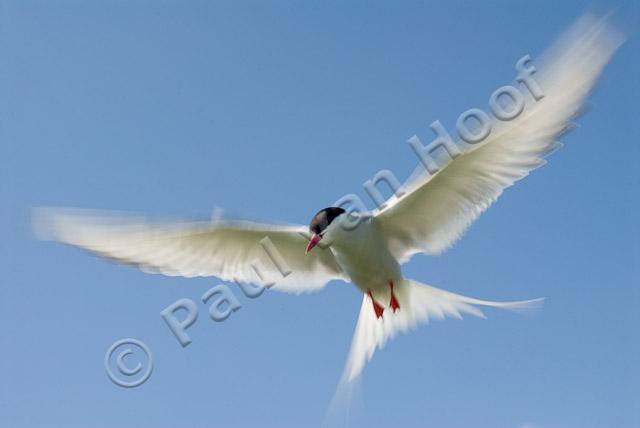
(368, 249)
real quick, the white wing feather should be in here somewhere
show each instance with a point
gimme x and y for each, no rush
(436, 210)
(229, 250)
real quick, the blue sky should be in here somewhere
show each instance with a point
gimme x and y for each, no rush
(273, 111)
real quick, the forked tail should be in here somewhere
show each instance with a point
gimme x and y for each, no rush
(419, 303)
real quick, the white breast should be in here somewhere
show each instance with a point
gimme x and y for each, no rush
(363, 254)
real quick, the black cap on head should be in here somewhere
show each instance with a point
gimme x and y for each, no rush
(323, 219)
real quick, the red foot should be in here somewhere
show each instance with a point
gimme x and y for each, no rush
(379, 310)
(394, 302)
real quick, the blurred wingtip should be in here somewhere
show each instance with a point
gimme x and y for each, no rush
(46, 222)
(56, 223)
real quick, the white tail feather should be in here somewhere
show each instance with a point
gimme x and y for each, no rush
(419, 303)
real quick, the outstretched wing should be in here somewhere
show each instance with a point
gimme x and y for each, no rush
(241, 251)
(437, 209)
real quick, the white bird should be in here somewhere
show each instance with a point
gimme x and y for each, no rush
(434, 211)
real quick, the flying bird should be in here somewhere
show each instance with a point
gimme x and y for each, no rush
(431, 215)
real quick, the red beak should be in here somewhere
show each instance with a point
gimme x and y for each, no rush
(313, 242)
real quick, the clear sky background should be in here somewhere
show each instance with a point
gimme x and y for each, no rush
(273, 111)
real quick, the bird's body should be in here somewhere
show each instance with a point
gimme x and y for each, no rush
(434, 211)
(364, 257)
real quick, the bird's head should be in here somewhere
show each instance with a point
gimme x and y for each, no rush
(320, 224)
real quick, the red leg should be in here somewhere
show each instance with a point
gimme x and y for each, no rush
(394, 302)
(379, 310)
